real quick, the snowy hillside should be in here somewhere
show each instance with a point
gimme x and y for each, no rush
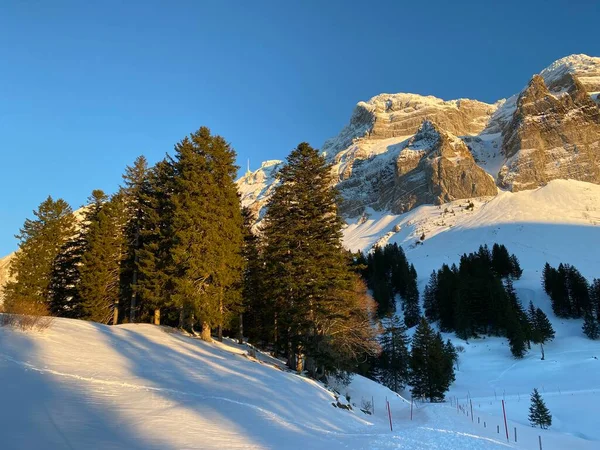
(86, 385)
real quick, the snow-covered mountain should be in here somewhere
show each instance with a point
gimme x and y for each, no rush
(386, 158)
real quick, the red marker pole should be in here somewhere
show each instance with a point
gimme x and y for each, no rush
(505, 424)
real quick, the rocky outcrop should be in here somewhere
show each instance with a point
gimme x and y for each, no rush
(433, 167)
(387, 119)
(554, 133)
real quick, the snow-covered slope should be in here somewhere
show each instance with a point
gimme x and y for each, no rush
(557, 223)
(86, 385)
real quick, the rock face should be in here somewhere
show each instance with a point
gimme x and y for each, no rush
(554, 133)
(433, 167)
(549, 130)
(391, 118)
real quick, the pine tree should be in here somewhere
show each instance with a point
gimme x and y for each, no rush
(539, 414)
(412, 312)
(515, 267)
(392, 367)
(100, 269)
(542, 330)
(501, 261)
(40, 242)
(432, 310)
(135, 179)
(595, 297)
(311, 284)
(257, 317)
(431, 370)
(155, 264)
(591, 328)
(207, 232)
(65, 299)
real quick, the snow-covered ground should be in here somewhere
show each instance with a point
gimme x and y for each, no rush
(86, 385)
(559, 222)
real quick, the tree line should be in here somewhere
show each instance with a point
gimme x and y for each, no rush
(478, 298)
(573, 297)
(174, 246)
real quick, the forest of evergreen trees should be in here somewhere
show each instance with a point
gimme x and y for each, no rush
(173, 246)
(573, 297)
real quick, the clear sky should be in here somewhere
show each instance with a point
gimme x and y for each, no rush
(85, 87)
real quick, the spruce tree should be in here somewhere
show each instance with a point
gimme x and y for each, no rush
(207, 232)
(539, 414)
(432, 309)
(40, 242)
(257, 319)
(595, 297)
(100, 269)
(65, 299)
(312, 287)
(154, 285)
(431, 370)
(135, 179)
(591, 328)
(392, 367)
(542, 330)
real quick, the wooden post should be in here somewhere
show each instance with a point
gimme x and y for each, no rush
(157, 316)
(373, 404)
(484, 426)
(515, 434)
(411, 407)
(498, 429)
(505, 424)
(540, 441)
(390, 415)
(472, 418)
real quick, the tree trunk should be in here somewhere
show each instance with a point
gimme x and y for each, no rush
(133, 305)
(205, 336)
(275, 337)
(116, 314)
(181, 324)
(157, 316)
(299, 361)
(543, 356)
(220, 327)
(241, 330)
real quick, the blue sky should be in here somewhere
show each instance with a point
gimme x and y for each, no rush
(85, 87)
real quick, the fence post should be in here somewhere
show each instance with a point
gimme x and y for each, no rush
(472, 418)
(540, 440)
(484, 424)
(515, 434)
(505, 424)
(411, 407)
(498, 429)
(390, 415)
(373, 404)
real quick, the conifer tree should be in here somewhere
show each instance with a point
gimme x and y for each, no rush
(515, 267)
(539, 414)
(541, 328)
(432, 309)
(591, 328)
(135, 179)
(314, 293)
(392, 367)
(412, 312)
(155, 264)
(257, 319)
(65, 300)
(431, 370)
(595, 297)
(100, 269)
(207, 232)
(501, 261)
(40, 242)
